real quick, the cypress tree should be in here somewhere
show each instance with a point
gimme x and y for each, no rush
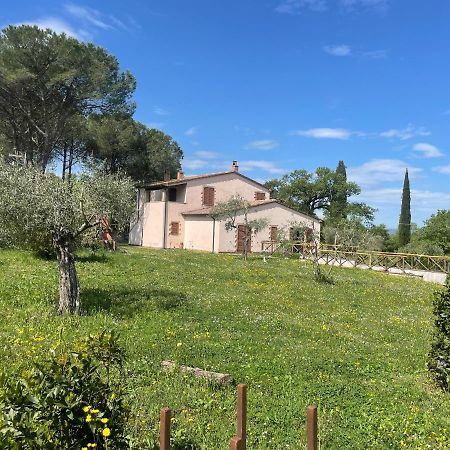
(404, 225)
(339, 202)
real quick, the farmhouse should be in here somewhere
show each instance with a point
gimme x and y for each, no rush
(174, 213)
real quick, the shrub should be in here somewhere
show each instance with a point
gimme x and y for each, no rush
(439, 357)
(72, 399)
(422, 248)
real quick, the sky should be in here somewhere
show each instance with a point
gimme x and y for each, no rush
(281, 85)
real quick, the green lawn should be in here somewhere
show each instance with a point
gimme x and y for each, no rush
(357, 348)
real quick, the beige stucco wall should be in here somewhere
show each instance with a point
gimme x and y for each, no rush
(226, 186)
(199, 233)
(153, 219)
(276, 214)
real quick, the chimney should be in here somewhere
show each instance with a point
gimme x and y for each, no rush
(166, 175)
(235, 167)
(180, 175)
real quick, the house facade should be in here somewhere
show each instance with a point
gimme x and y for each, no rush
(174, 213)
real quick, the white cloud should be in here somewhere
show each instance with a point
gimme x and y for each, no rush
(266, 166)
(89, 15)
(159, 111)
(427, 201)
(295, 7)
(194, 164)
(156, 125)
(324, 133)
(338, 50)
(405, 133)
(379, 171)
(58, 26)
(265, 144)
(191, 131)
(427, 150)
(442, 169)
(374, 54)
(207, 154)
(361, 5)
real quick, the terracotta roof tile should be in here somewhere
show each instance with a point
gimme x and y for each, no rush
(175, 181)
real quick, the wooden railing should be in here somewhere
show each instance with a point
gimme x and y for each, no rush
(286, 247)
(351, 257)
(239, 442)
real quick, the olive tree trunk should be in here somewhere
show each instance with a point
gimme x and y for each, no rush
(69, 288)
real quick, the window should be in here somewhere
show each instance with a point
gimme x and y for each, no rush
(175, 228)
(273, 233)
(260, 195)
(295, 234)
(172, 194)
(208, 196)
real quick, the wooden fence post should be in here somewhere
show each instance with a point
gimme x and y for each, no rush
(239, 442)
(311, 427)
(164, 429)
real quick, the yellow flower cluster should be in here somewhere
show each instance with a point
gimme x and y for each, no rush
(91, 415)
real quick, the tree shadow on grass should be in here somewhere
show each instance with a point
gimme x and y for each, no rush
(126, 302)
(92, 257)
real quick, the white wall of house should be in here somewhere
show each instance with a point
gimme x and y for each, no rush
(199, 233)
(226, 186)
(153, 220)
(276, 214)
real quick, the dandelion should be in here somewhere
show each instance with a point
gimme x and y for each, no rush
(106, 432)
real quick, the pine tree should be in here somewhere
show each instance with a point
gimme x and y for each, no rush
(404, 226)
(339, 202)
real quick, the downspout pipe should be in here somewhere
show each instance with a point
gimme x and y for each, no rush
(213, 234)
(166, 198)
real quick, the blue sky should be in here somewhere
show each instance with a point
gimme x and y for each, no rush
(286, 84)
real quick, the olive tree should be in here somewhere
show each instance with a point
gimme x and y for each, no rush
(38, 205)
(230, 211)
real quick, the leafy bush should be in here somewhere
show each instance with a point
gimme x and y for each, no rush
(422, 248)
(70, 400)
(439, 357)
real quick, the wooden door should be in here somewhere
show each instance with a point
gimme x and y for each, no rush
(241, 232)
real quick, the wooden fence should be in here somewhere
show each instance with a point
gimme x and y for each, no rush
(345, 257)
(239, 441)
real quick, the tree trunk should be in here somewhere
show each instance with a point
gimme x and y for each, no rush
(69, 289)
(64, 163)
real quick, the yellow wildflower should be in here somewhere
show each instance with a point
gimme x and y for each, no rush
(86, 408)
(106, 432)
(88, 418)
(84, 448)
(104, 420)
(95, 411)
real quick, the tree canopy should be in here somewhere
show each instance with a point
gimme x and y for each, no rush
(404, 225)
(119, 143)
(436, 230)
(46, 79)
(41, 206)
(322, 190)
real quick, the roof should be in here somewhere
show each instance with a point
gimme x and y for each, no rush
(255, 204)
(176, 182)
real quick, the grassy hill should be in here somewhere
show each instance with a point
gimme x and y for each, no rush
(357, 348)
